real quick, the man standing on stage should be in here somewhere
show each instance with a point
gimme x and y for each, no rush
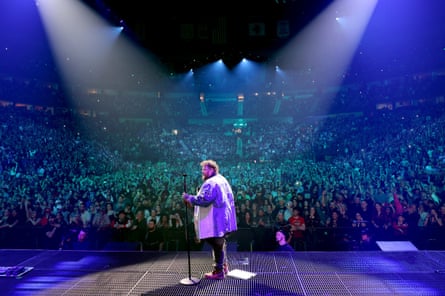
(214, 214)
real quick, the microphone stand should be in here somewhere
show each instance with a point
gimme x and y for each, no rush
(190, 281)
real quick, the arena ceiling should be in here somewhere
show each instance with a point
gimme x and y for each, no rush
(189, 33)
(401, 37)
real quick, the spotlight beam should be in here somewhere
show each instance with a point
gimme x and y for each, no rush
(325, 48)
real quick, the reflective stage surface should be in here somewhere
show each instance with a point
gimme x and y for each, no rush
(43, 272)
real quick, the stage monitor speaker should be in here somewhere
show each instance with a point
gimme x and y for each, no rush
(394, 246)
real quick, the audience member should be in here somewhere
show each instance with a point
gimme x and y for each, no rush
(282, 239)
(154, 239)
(297, 230)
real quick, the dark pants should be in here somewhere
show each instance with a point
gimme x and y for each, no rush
(218, 245)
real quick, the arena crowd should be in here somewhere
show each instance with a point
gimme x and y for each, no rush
(69, 181)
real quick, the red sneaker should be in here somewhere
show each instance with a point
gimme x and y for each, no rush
(215, 275)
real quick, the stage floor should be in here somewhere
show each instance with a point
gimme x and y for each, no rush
(155, 274)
